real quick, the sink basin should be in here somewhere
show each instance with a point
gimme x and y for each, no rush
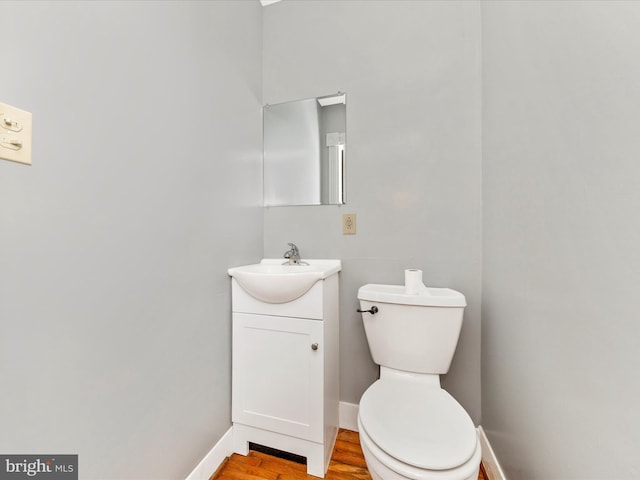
(272, 282)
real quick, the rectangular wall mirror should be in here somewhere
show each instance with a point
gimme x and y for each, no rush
(304, 151)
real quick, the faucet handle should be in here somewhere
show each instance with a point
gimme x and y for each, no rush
(292, 255)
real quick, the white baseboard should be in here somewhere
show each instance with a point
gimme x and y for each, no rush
(348, 416)
(214, 458)
(348, 419)
(489, 460)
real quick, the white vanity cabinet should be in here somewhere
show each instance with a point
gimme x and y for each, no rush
(285, 383)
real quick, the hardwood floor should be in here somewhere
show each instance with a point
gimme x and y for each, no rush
(347, 463)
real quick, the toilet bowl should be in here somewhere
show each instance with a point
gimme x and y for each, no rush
(411, 428)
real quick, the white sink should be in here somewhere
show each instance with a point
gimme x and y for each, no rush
(272, 282)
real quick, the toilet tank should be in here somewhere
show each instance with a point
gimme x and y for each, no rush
(412, 332)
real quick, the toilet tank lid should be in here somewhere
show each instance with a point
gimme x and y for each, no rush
(429, 297)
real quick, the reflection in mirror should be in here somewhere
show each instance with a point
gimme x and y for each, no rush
(304, 151)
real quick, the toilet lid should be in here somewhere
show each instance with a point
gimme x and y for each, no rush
(418, 424)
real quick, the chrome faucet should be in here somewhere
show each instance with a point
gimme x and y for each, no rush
(293, 255)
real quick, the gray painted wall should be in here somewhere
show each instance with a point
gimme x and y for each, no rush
(114, 301)
(412, 76)
(561, 109)
(145, 187)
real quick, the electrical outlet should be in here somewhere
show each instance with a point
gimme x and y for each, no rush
(15, 134)
(349, 224)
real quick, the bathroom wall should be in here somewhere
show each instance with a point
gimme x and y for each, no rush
(145, 187)
(412, 76)
(560, 356)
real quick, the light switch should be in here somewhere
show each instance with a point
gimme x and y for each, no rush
(15, 134)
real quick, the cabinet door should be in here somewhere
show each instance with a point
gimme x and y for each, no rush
(277, 374)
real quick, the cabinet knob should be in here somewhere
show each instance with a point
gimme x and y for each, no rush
(314, 346)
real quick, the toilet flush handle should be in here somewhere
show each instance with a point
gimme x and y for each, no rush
(373, 310)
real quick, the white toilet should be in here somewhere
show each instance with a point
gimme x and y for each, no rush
(409, 426)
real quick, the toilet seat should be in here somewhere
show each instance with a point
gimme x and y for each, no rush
(417, 424)
(384, 467)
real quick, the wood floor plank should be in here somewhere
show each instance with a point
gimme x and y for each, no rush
(228, 474)
(304, 476)
(482, 475)
(344, 476)
(253, 470)
(351, 447)
(348, 436)
(279, 465)
(340, 469)
(348, 457)
(241, 459)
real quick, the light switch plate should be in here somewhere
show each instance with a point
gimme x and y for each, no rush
(15, 134)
